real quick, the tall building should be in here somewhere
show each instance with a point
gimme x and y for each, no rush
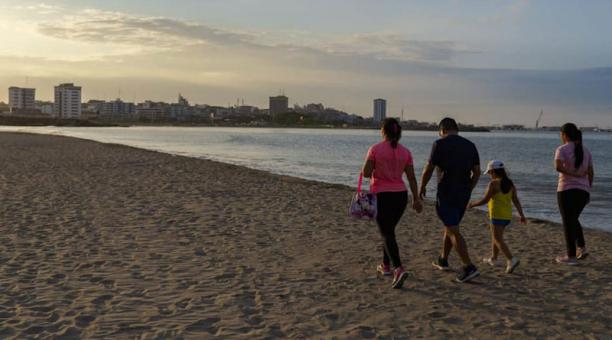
(380, 110)
(21, 99)
(117, 108)
(279, 104)
(67, 101)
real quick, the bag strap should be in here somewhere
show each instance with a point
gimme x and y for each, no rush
(360, 182)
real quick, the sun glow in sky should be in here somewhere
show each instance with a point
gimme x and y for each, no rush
(491, 61)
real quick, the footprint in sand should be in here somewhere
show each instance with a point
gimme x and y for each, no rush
(83, 320)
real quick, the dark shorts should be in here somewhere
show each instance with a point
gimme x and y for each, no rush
(502, 223)
(450, 214)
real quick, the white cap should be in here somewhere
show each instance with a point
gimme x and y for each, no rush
(494, 165)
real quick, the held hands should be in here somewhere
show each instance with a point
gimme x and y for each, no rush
(523, 220)
(422, 193)
(417, 205)
(471, 205)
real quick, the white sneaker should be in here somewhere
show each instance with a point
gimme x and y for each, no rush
(490, 261)
(512, 264)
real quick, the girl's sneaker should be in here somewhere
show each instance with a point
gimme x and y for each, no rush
(384, 269)
(440, 264)
(566, 260)
(490, 261)
(399, 276)
(512, 264)
(581, 253)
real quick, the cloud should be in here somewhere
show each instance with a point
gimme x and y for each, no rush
(95, 26)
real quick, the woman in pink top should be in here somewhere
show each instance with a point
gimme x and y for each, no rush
(385, 164)
(575, 166)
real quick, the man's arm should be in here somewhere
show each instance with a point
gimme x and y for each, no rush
(492, 189)
(416, 201)
(425, 178)
(475, 175)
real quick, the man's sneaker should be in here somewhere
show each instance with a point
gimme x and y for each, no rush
(441, 264)
(566, 260)
(512, 264)
(468, 273)
(581, 253)
(490, 261)
(399, 276)
(384, 269)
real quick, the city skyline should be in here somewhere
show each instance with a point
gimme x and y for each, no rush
(489, 63)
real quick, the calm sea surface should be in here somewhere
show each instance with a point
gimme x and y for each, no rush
(336, 156)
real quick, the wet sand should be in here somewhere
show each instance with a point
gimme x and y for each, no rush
(106, 241)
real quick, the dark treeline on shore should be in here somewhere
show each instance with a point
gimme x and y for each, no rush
(290, 119)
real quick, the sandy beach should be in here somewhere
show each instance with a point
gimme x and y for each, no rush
(107, 241)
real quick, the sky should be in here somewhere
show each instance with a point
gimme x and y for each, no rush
(482, 62)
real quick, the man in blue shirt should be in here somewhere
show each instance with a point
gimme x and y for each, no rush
(458, 164)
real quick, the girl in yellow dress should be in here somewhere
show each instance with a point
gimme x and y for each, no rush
(500, 195)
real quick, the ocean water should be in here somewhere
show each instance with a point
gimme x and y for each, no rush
(336, 156)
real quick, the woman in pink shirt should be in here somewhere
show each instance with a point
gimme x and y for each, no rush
(575, 166)
(385, 164)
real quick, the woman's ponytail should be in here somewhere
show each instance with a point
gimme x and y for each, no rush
(578, 150)
(392, 130)
(575, 135)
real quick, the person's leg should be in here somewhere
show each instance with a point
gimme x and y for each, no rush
(583, 200)
(386, 259)
(568, 215)
(494, 249)
(387, 219)
(382, 219)
(459, 244)
(498, 233)
(447, 245)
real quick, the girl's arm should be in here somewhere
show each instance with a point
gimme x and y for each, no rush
(571, 172)
(368, 168)
(492, 189)
(518, 205)
(417, 205)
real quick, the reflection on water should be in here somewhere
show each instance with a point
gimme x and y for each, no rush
(336, 156)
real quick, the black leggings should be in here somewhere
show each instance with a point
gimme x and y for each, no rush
(571, 203)
(391, 206)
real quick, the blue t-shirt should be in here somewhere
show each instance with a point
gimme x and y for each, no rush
(455, 157)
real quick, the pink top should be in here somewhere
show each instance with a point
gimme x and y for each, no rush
(389, 164)
(565, 153)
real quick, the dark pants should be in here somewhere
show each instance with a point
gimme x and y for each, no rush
(391, 206)
(571, 203)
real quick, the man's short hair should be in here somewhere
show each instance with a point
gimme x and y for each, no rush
(448, 124)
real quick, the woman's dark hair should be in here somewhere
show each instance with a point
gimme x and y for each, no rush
(392, 131)
(506, 182)
(574, 135)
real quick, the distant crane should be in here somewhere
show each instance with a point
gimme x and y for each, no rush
(539, 119)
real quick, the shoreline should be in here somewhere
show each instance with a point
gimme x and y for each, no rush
(534, 220)
(111, 241)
